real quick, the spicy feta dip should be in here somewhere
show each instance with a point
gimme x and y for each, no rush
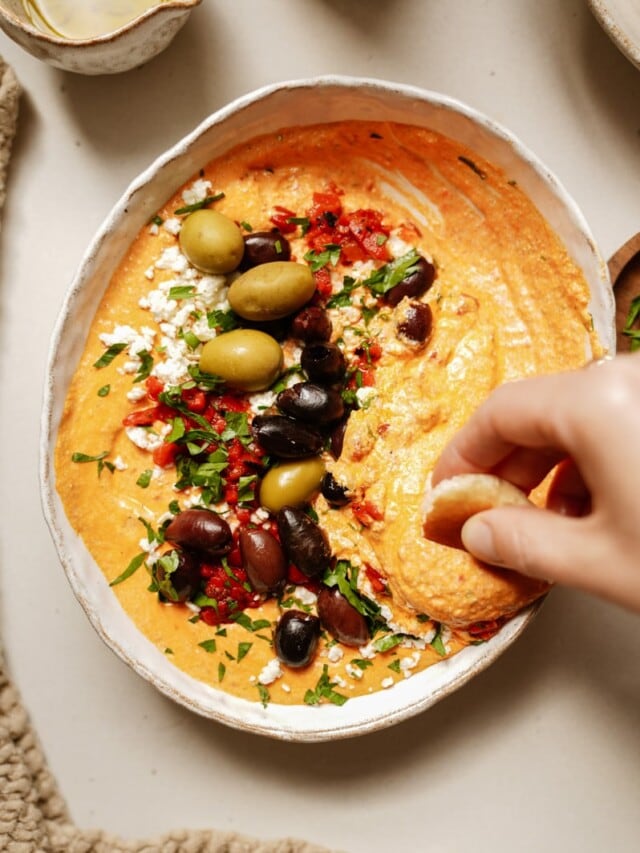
(270, 378)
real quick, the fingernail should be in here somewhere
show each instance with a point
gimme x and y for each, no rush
(477, 537)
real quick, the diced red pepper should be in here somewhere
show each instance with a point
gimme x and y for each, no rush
(154, 387)
(294, 575)
(323, 282)
(366, 512)
(142, 417)
(377, 581)
(281, 219)
(195, 400)
(165, 454)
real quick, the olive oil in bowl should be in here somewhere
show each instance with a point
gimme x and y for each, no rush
(72, 19)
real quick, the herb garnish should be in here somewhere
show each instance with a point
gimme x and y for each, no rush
(318, 260)
(243, 649)
(265, 698)
(208, 645)
(437, 642)
(324, 690)
(303, 221)
(133, 567)
(223, 321)
(144, 479)
(182, 291)
(388, 642)
(146, 364)
(342, 298)
(198, 205)
(221, 671)
(107, 357)
(389, 275)
(102, 392)
(345, 576)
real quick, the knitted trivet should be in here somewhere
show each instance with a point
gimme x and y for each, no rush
(33, 814)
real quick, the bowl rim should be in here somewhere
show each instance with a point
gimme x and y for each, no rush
(321, 723)
(162, 6)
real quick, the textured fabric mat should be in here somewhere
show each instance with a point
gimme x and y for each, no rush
(33, 814)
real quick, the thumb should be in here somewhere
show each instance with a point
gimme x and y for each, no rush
(535, 542)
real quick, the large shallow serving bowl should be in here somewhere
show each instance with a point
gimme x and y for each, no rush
(127, 47)
(269, 109)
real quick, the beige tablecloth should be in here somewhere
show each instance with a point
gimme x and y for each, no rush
(33, 814)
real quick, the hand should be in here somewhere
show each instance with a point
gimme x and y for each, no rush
(587, 422)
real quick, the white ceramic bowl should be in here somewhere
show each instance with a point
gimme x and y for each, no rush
(621, 20)
(125, 48)
(293, 103)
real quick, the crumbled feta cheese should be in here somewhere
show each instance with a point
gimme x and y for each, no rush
(386, 682)
(137, 393)
(119, 464)
(198, 191)
(172, 225)
(397, 246)
(354, 671)
(149, 273)
(339, 681)
(365, 395)
(368, 652)
(153, 229)
(270, 672)
(212, 288)
(172, 259)
(120, 335)
(130, 366)
(259, 515)
(143, 438)
(385, 612)
(261, 401)
(285, 687)
(305, 596)
(335, 653)
(409, 663)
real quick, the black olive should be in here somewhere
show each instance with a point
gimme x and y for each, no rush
(333, 492)
(177, 575)
(201, 530)
(415, 284)
(323, 362)
(296, 638)
(263, 247)
(415, 322)
(336, 439)
(309, 402)
(285, 437)
(304, 541)
(341, 619)
(263, 559)
(311, 324)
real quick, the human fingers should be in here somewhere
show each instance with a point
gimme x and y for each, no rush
(526, 468)
(529, 413)
(568, 494)
(570, 551)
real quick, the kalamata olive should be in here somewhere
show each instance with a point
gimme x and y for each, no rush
(311, 324)
(200, 530)
(296, 637)
(414, 322)
(245, 358)
(415, 284)
(263, 247)
(304, 541)
(341, 619)
(336, 440)
(271, 291)
(263, 559)
(323, 362)
(211, 241)
(310, 402)
(177, 575)
(285, 437)
(333, 492)
(291, 483)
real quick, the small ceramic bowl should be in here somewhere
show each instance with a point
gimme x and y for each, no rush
(120, 50)
(266, 111)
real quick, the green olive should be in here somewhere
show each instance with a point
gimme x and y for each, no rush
(245, 358)
(271, 291)
(291, 484)
(211, 241)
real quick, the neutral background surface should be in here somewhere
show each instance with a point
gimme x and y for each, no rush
(542, 751)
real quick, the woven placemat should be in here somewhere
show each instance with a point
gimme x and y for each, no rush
(33, 814)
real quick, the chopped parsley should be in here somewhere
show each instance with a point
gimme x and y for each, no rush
(243, 649)
(437, 642)
(342, 298)
(223, 321)
(324, 690)
(388, 642)
(221, 671)
(389, 275)
(248, 624)
(361, 663)
(156, 220)
(131, 569)
(209, 646)
(319, 260)
(104, 391)
(265, 697)
(345, 576)
(146, 363)
(303, 221)
(107, 357)
(198, 205)
(144, 479)
(182, 291)
(84, 457)
(395, 665)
